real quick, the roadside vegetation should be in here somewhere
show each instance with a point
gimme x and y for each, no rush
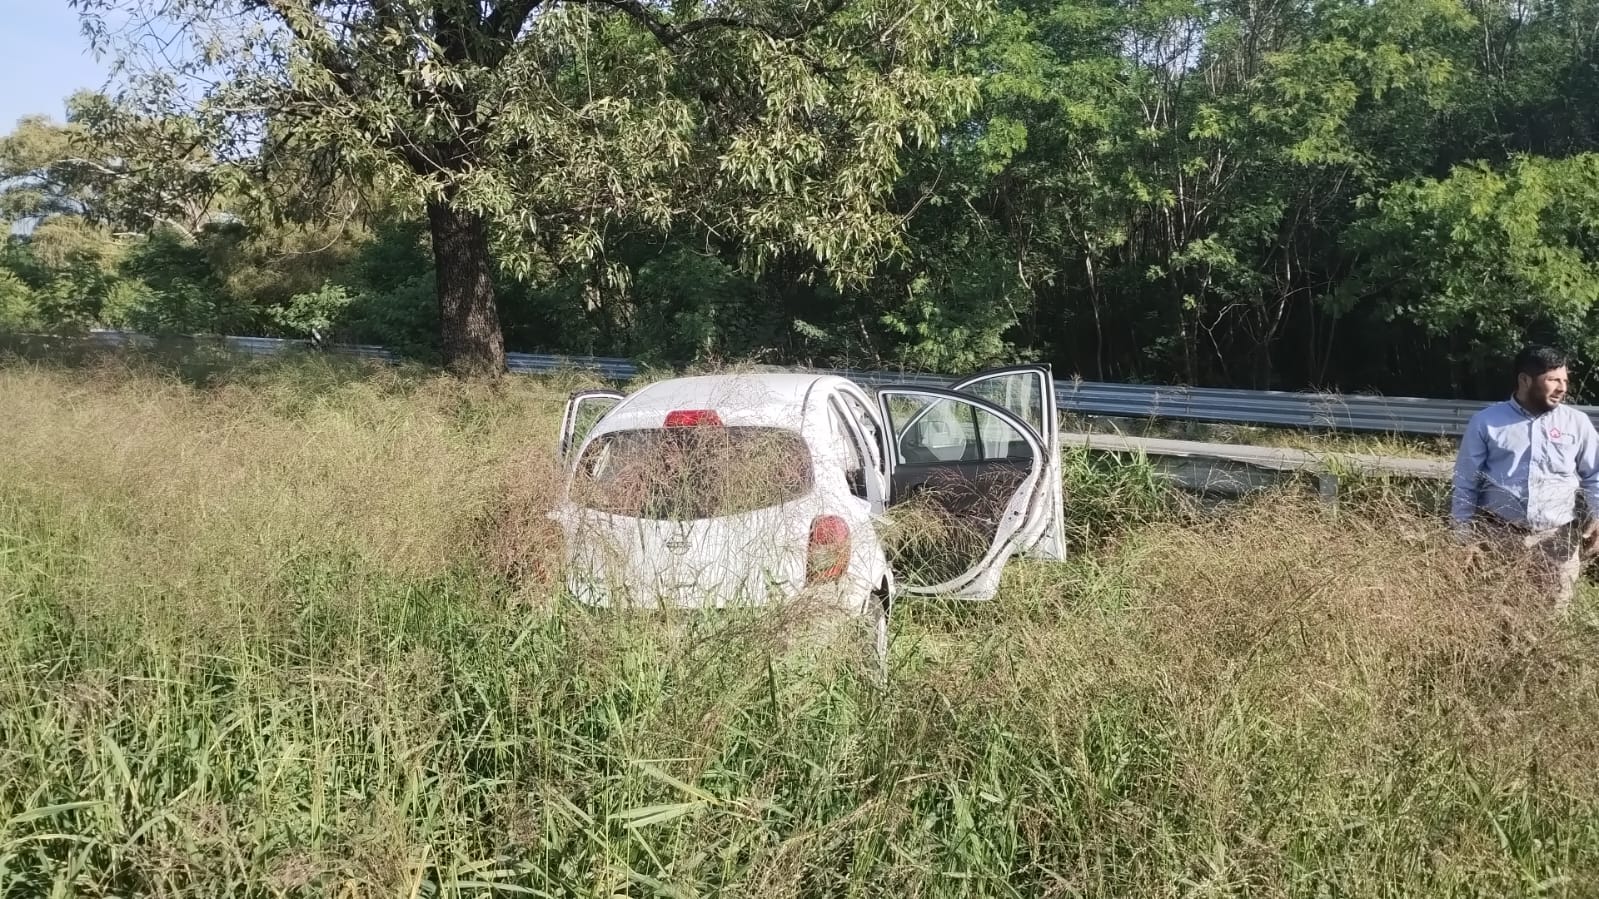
(1338, 195)
(285, 630)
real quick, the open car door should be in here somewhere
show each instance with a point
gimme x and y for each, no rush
(1028, 392)
(583, 410)
(967, 486)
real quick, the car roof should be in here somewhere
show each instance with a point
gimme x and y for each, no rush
(761, 399)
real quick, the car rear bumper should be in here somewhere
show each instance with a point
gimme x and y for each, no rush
(841, 598)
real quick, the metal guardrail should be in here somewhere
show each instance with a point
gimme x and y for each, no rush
(1272, 458)
(1317, 411)
(1228, 469)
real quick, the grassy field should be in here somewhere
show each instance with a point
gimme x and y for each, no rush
(290, 633)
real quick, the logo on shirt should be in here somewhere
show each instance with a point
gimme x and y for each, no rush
(1554, 433)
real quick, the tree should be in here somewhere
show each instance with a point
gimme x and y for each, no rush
(1488, 256)
(1161, 185)
(115, 170)
(527, 128)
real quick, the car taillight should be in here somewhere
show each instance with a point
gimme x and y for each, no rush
(688, 418)
(828, 554)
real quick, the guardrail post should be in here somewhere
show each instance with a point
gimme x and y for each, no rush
(1327, 487)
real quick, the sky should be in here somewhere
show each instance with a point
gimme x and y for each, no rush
(43, 59)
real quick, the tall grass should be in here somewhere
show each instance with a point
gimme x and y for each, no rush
(278, 636)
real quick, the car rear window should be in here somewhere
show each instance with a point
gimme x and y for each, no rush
(692, 472)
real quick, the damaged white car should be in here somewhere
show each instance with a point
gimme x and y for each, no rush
(748, 489)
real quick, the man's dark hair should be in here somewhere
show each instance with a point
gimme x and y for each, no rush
(1536, 359)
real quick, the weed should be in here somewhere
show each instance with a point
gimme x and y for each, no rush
(260, 638)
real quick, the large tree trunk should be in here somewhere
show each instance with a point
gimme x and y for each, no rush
(468, 318)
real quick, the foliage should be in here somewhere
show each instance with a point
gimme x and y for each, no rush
(1113, 497)
(533, 128)
(192, 298)
(109, 165)
(1491, 254)
(694, 306)
(403, 319)
(18, 311)
(314, 313)
(1335, 194)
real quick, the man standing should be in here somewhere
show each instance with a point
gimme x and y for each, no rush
(1521, 464)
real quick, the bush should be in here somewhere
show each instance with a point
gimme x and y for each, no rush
(180, 291)
(18, 310)
(1109, 496)
(404, 320)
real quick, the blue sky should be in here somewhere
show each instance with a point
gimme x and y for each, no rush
(43, 58)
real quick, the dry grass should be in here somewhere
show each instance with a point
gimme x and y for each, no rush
(261, 638)
(206, 496)
(1375, 612)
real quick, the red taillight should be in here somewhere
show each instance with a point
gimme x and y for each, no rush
(688, 418)
(828, 554)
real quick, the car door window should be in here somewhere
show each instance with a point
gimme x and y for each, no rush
(950, 430)
(854, 463)
(864, 434)
(584, 409)
(1017, 393)
(866, 421)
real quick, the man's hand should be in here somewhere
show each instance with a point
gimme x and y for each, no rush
(1466, 536)
(1590, 537)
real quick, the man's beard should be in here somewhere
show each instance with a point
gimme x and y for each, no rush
(1544, 403)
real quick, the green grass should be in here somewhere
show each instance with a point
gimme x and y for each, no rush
(286, 633)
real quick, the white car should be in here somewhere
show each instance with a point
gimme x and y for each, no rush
(723, 490)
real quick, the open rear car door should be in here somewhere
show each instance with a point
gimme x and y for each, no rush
(583, 410)
(968, 485)
(1028, 392)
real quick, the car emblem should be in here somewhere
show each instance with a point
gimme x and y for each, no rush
(678, 542)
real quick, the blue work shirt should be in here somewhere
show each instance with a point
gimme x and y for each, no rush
(1526, 469)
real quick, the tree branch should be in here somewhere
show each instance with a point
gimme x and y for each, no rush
(507, 19)
(115, 171)
(669, 34)
(324, 51)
